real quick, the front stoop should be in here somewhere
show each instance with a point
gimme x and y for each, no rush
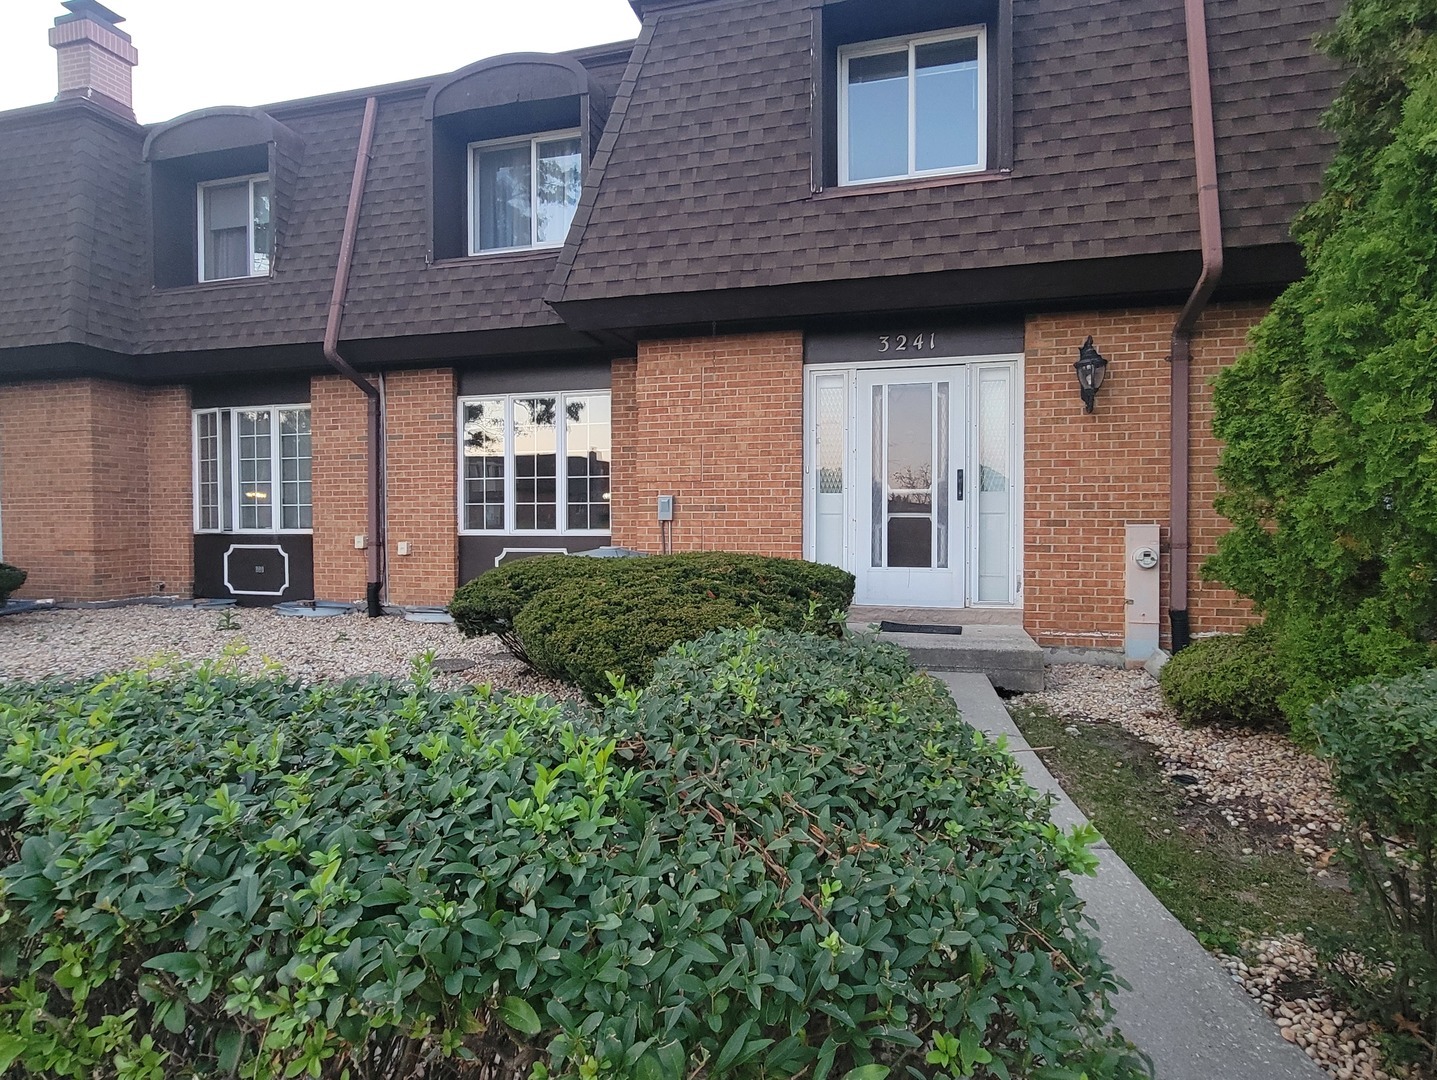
(1006, 654)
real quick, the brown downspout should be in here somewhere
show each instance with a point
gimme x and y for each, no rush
(373, 455)
(1210, 229)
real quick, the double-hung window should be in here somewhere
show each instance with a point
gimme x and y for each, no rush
(523, 194)
(913, 107)
(535, 463)
(235, 239)
(252, 469)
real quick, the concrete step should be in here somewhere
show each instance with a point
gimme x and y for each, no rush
(1006, 654)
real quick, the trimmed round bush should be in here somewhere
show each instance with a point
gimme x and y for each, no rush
(788, 857)
(11, 578)
(579, 619)
(1233, 681)
(490, 603)
(621, 619)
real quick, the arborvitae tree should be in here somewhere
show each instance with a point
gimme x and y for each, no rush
(1329, 420)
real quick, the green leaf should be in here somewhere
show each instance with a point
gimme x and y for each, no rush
(867, 1072)
(520, 1016)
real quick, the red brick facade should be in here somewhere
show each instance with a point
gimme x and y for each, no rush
(95, 488)
(420, 484)
(339, 436)
(1088, 476)
(95, 476)
(718, 424)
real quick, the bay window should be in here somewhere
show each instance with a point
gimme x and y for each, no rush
(535, 463)
(252, 469)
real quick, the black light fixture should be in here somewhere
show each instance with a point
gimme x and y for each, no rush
(1091, 367)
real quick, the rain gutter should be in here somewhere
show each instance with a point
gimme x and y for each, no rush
(1210, 230)
(374, 544)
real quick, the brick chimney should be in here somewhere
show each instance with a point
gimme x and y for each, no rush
(95, 56)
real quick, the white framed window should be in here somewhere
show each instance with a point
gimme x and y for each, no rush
(252, 469)
(523, 193)
(235, 239)
(535, 463)
(912, 107)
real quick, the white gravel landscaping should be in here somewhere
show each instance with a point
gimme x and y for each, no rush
(81, 642)
(1255, 778)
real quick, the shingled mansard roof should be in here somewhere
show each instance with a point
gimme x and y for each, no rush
(700, 203)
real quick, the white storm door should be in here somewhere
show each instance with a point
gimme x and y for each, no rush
(911, 526)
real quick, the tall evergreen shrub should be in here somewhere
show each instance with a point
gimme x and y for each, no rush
(1329, 420)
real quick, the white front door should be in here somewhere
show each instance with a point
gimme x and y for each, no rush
(913, 481)
(911, 468)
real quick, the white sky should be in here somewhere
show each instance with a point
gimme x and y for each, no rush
(199, 53)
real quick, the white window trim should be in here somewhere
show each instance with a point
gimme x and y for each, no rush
(561, 476)
(873, 48)
(229, 181)
(533, 142)
(275, 454)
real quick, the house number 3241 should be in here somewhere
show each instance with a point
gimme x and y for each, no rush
(907, 342)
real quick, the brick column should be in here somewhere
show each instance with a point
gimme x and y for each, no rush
(718, 423)
(338, 445)
(422, 486)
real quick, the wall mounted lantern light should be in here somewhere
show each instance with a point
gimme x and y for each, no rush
(1091, 367)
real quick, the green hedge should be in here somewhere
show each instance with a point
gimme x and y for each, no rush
(579, 619)
(789, 858)
(1382, 741)
(11, 578)
(1233, 680)
(490, 603)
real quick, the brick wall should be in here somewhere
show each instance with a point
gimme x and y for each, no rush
(421, 486)
(717, 423)
(1223, 334)
(1088, 476)
(95, 488)
(338, 445)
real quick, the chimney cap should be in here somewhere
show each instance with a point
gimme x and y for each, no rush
(89, 9)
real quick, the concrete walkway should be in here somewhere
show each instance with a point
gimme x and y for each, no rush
(1183, 1009)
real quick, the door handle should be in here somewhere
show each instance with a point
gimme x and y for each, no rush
(958, 486)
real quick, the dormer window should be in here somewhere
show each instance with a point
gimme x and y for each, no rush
(523, 193)
(235, 238)
(913, 107)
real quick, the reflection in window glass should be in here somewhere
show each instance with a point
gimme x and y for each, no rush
(561, 177)
(263, 245)
(484, 464)
(586, 451)
(525, 456)
(878, 116)
(503, 202)
(525, 193)
(536, 467)
(945, 98)
(913, 109)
